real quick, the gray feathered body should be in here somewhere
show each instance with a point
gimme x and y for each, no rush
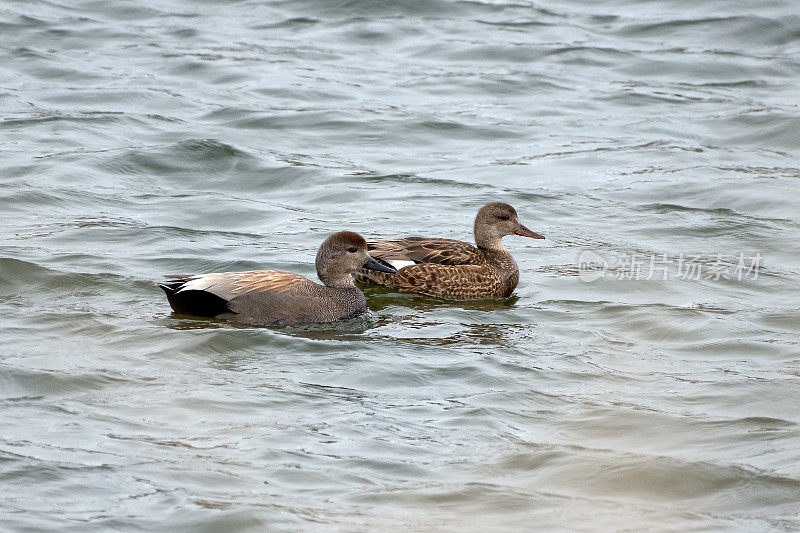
(263, 297)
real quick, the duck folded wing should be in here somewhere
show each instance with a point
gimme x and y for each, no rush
(229, 285)
(457, 282)
(414, 250)
(213, 294)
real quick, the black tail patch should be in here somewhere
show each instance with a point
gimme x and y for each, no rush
(195, 303)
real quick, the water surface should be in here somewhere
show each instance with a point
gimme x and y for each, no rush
(142, 139)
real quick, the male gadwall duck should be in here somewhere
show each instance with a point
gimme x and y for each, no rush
(276, 297)
(452, 269)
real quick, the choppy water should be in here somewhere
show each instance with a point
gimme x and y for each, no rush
(146, 138)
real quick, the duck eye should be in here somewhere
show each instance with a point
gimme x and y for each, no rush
(503, 217)
(352, 249)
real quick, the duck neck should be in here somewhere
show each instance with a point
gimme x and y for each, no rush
(488, 240)
(335, 281)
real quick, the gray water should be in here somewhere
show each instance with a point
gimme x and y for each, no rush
(654, 139)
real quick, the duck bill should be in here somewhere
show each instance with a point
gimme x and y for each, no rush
(525, 232)
(371, 264)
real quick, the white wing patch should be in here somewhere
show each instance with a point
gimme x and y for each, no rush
(399, 263)
(218, 283)
(200, 283)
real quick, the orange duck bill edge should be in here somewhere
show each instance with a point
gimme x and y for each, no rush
(525, 232)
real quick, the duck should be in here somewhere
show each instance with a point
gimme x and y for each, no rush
(277, 297)
(452, 269)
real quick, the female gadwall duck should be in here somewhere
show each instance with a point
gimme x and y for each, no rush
(275, 297)
(452, 269)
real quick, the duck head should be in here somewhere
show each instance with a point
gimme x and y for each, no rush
(496, 220)
(342, 254)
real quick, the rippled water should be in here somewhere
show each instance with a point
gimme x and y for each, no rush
(147, 138)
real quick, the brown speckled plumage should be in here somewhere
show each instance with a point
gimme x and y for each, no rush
(274, 297)
(452, 269)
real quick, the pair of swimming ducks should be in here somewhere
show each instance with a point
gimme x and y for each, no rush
(444, 268)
